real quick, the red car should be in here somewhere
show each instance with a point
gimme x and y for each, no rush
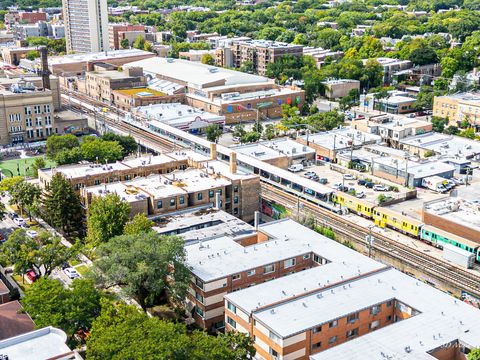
(32, 275)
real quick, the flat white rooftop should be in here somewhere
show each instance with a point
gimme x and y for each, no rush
(275, 148)
(461, 211)
(111, 54)
(417, 169)
(222, 256)
(342, 138)
(46, 343)
(196, 74)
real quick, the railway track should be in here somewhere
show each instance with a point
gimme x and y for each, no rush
(428, 265)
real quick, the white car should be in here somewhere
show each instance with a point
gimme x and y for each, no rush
(379, 188)
(71, 273)
(360, 194)
(19, 221)
(32, 233)
(337, 186)
(348, 177)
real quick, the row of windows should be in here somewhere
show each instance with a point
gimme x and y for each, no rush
(37, 109)
(173, 201)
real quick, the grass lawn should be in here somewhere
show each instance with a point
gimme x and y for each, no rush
(24, 165)
(82, 269)
(23, 285)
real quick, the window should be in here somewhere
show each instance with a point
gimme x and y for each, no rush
(317, 329)
(199, 196)
(172, 202)
(352, 318)
(211, 193)
(159, 204)
(269, 269)
(199, 283)
(273, 352)
(199, 311)
(289, 263)
(306, 256)
(375, 310)
(332, 340)
(199, 297)
(236, 277)
(38, 121)
(235, 189)
(389, 318)
(352, 333)
(96, 182)
(235, 199)
(389, 303)
(28, 110)
(317, 259)
(374, 324)
(37, 109)
(231, 322)
(181, 200)
(46, 108)
(231, 307)
(333, 324)
(48, 120)
(316, 346)
(251, 272)
(274, 337)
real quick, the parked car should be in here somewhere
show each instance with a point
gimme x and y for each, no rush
(236, 139)
(360, 194)
(12, 215)
(459, 181)
(32, 233)
(337, 186)
(310, 174)
(451, 184)
(343, 188)
(369, 185)
(361, 182)
(71, 273)
(348, 177)
(32, 275)
(295, 168)
(380, 188)
(323, 181)
(19, 221)
(2, 238)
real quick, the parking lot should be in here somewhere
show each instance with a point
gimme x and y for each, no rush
(336, 178)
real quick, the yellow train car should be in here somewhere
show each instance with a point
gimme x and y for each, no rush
(384, 217)
(354, 204)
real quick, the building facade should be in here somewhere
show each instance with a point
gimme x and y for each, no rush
(118, 32)
(86, 25)
(458, 107)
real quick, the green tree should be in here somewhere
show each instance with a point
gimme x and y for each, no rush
(128, 143)
(438, 124)
(69, 156)
(71, 308)
(423, 56)
(270, 131)
(239, 131)
(155, 339)
(474, 354)
(249, 137)
(213, 132)
(7, 184)
(32, 55)
(95, 149)
(58, 143)
(208, 59)
(26, 196)
(3, 211)
(125, 44)
(468, 133)
(452, 130)
(247, 67)
(61, 205)
(106, 218)
(44, 253)
(38, 163)
(148, 266)
(139, 224)
(139, 42)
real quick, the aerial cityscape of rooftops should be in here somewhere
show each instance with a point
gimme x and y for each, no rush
(239, 179)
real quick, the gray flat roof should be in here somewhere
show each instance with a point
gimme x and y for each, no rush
(341, 138)
(444, 144)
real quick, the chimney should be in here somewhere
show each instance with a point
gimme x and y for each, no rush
(44, 72)
(256, 219)
(233, 162)
(218, 201)
(213, 151)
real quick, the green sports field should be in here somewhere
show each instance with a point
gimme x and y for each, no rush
(24, 166)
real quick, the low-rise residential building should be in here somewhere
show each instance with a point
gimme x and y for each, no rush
(13, 55)
(320, 55)
(338, 88)
(14, 17)
(392, 128)
(41, 28)
(180, 116)
(396, 104)
(328, 144)
(236, 95)
(391, 66)
(119, 32)
(345, 307)
(458, 107)
(441, 144)
(279, 152)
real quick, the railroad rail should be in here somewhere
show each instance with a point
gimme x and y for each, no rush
(427, 264)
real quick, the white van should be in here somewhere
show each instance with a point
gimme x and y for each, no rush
(295, 168)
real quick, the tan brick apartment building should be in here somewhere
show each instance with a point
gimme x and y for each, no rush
(458, 107)
(118, 32)
(258, 52)
(347, 307)
(26, 109)
(237, 96)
